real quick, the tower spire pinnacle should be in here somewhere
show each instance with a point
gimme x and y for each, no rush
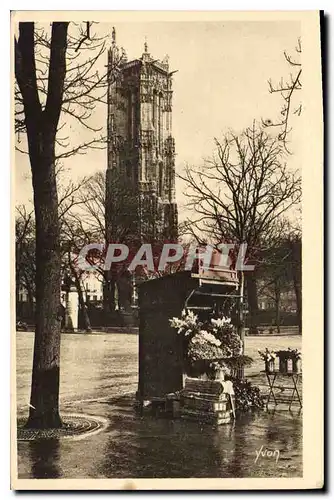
(113, 36)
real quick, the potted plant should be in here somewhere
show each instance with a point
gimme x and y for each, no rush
(217, 370)
(269, 359)
(289, 360)
(247, 396)
(283, 355)
(296, 357)
(237, 363)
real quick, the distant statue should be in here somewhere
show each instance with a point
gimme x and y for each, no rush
(113, 35)
(124, 56)
(165, 60)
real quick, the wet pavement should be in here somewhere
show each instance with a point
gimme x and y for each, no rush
(99, 377)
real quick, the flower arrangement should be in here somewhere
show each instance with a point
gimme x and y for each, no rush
(247, 396)
(295, 354)
(215, 346)
(284, 354)
(224, 330)
(187, 324)
(289, 359)
(208, 345)
(267, 355)
(269, 359)
(204, 345)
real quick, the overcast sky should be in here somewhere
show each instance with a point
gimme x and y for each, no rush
(221, 83)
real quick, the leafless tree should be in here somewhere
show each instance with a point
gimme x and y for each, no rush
(90, 223)
(72, 238)
(56, 77)
(72, 243)
(274, 274)
(294, 243)
(85, 86)
(280, 270)
(69, 202)
(25, 255)
(238, 195)
(288, 88)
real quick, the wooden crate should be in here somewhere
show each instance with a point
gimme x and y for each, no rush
(205, 401)
(211, 390)
(218, 417)
(198, 403)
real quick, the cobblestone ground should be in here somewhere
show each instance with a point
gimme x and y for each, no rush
(99, 377)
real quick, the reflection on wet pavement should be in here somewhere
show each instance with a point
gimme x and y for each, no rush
(44, 459)
(145, 446)
(96, 375)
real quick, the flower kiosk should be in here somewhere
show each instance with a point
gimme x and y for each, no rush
(187, 333)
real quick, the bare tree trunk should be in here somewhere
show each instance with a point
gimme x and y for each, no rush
(30, 301)
(109, 285)
(82, 305)
(41, 125)
(251, 286)
(296, 249)
(17, 295)
(44, 401)
(298, 294)
(124, 287)
(111, 296)
(277, 307)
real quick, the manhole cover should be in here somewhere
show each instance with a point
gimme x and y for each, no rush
(75, 426)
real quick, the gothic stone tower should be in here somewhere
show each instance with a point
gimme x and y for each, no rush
(140, 180)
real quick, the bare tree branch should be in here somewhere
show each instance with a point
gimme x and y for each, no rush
(288, 90)
(85, 85)
(241, 192)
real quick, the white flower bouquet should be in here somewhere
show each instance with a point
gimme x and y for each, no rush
(213, 341)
